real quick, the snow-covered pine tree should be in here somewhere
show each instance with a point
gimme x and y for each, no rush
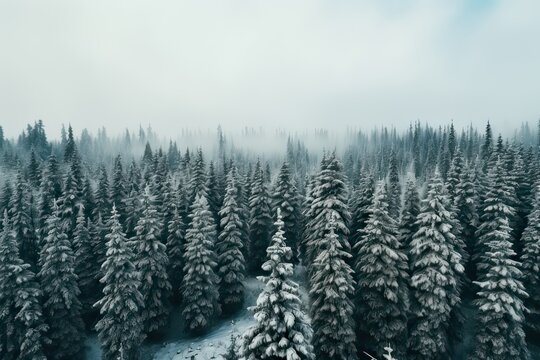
(495, 206)
(531, 268)
(435, 276)
(150, 260)
(198, 179)
(121, 328)
(285, 196)
(22, 328)
(118, 190)
(329, 198)
(70, 148)
(465, 203)
(68, 204)
(499, 332)
(359, 204)
(409, 213)
(213, 195)
(230, 260)
(21, 222)
(85, 260)
(282, 330)
(62, 307)
(260, 221)
(200, 293)
(232, 349)
(175, 252)
(382, 294)
(394, 187)
(331, 293)
(103, 204)
(455, 174)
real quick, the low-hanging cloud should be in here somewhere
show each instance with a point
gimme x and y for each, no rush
(294, 64)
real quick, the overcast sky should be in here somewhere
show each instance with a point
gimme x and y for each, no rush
(274, 63)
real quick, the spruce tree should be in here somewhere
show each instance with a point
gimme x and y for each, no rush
(175, 252)
(499, 333)
(103, 204)
(394, 187)
(531, 268)
(435, 276)
(282, 331)
(260, 221)
(332, 309)
(359, 204)
(285, 196)
(197, 182)
(150, 260)
(230, 261)
(121, 328)
(200, 284)
(70, 147)
(382, 298)
(23, 333)
(62, 307)
(409, 212)
(118, 191)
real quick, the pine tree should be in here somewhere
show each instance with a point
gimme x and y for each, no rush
(103, 204)
(197, 182)
(34, 173)
(282, 330)
(118, 191)
(200, 284)
(175, 252)
(329, 195)
(435, 275)
(499, 333)
(230, 261)
(531, 268)
(51, 189)
(232, 349)
(382, 296)
(260, 221)
(213, 195)
(465, 203)
(21, 221)
(455, 175)
(70, 148)
(150, 260)
(332, 289)
(359, 205)
(22, 329)
(285, 196)
(85, 262)
(62, 307)
(121, 328)
(409, 212)
(394, 187)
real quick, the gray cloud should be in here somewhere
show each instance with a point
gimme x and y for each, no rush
(177, 64)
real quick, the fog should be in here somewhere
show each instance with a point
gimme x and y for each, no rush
(273, 64)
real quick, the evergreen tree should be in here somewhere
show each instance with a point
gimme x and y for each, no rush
(197, 182)
(84, 262)
(213, 195)
(332, 289)
(69, 148)
(62, 307)
(409, 213)
(120, 328)
(329, 195)
(260, 222)
(285, 197)
(150, 260)
(51, 189)
(33, 170)
(531, 268)
(118, 191)
(21, 221)
(382, 296)
(230, 261)
(200, 284)
(359, 205)
(435, 275)
(22, 329)
(394, 187)
(175, 252)
(499, 333)
(103, 204)
(282, 330)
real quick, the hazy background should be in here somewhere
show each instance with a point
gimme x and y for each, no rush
(274, 63)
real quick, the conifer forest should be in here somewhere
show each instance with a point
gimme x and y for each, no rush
(415, 244)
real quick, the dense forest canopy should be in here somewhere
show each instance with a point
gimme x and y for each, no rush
(424, 243)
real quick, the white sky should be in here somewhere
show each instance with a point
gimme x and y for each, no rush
(274, 63)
